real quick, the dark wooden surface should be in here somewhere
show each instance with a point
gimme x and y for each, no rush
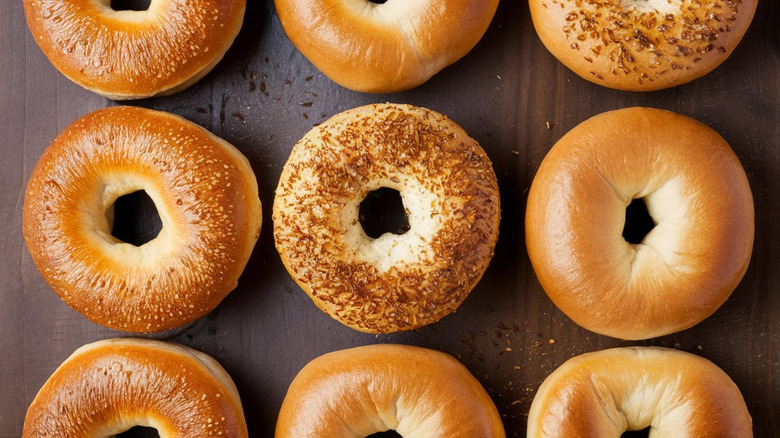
(264, 96)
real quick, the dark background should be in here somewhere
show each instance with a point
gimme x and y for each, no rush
(265, 96)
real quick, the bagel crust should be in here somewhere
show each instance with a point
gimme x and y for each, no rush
(205, 193)
(419, 393)
(606, 393)
(384, 48)
(394, 282)
(641, 45)
(697, 194)
(134, 54)
(111, 386)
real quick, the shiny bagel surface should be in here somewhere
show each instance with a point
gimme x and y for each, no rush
(697, 194)
(134, 54)
(417, 392)
(384, 47)
(205, 193)
(108, 387)
(606, 393)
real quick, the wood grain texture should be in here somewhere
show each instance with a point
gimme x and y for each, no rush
(265, 96)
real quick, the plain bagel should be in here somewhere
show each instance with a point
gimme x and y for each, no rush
(384, 47)
(606, 393)
(134, 54)
(417, 392)
(641, 45)
(393, 282)
(205, 193)
(697, 194)
(108, 387)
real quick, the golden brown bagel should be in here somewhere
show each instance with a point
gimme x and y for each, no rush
(383, 48)
(417, 392)
(134, 54)
(605, 393)
(394, 282)
(108, 387)
(695, 190)
(205, 193)
(641, 45)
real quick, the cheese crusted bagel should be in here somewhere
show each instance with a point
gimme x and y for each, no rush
(128, 54)
(393, 282)
(698, 198)
(641, 45)
(205, 193)
(606, 393)
(108, 387)
(416, 392)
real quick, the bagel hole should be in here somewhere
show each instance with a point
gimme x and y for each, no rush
(136, 220)
(382, 211)
(377, 2)
(644, 433)
(130, 5)
(139, 432)
(386, 434)
(638, 222)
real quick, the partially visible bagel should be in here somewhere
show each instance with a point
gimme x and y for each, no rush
(384, 47)
(108, 387)
(417, 392)
(606, 393)
(134, 54)
(641, 45)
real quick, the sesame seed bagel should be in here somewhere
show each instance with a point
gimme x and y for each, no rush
(606, 393)
(697, 195)
(384, 47)
(641, 45)
(134, 54)
(394, 282)
(108, 387)
(205, 193)
(417, 392)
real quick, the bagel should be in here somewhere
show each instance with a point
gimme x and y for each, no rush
(375, 388)
(206, 195)
(394, 282)
(641, 45)
(134, 54)
(108, 387)
(697, 194)
(606, 393)
(384, 47)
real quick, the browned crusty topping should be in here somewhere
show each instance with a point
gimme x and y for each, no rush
(624, 31)
(333, 164)
(647, 39)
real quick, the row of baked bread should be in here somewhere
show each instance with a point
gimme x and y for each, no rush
(112, 386)
(680, 272)
(382, 46)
